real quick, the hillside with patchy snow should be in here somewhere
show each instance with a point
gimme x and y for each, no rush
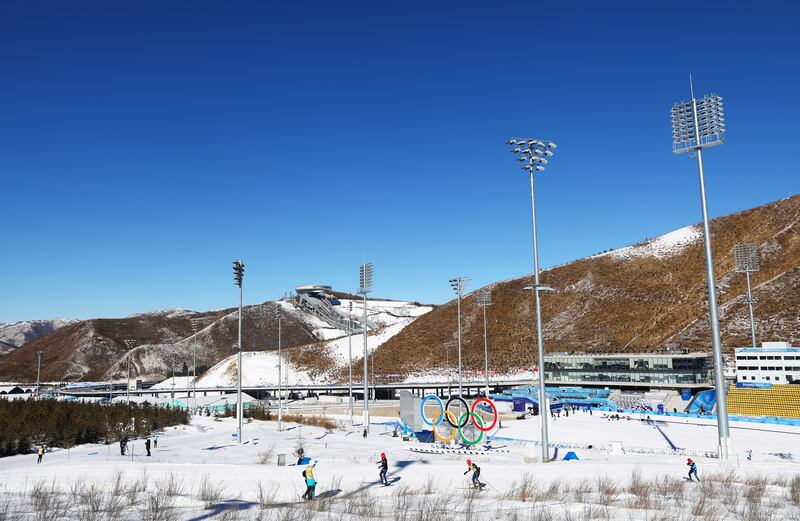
(15, 334)
(638, 298)
(323, 360)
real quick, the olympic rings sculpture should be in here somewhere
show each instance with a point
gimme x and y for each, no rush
(458, 424)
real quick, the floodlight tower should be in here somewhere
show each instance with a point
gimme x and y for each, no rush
(278, 317)
(484, 298)
(364, 287)
(39, 372)
(745, 256)
(534, 153)
(699, 124)
(350, 358)
(129, 343)
(447, 346)
(238, 277)
(195, 325)
(459, 284)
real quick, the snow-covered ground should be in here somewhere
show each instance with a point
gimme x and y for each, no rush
(260, 368)
(662, 246)
(203, 454)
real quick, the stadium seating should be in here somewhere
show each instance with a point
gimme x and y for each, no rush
(780, 401)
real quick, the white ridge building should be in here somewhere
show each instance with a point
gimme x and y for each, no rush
(772, 363)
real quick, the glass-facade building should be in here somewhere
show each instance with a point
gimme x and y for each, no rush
(635, 370)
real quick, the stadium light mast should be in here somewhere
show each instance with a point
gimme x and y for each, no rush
(484, 298)
(195, 323)
(350, 357)
(129, 343)
(278, 317)
(447, 346)
(238, 277)
(699, 124)
(38, 373)
(745, 256)
(534, 153)
(459, 284)
(364, 287)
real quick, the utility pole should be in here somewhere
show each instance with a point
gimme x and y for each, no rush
(350, 357)
(129, 343)
(365, 286)
(195, 322)
(534, 153)
(38, 373)
(238, 277)
(280, 362)
(699, 124)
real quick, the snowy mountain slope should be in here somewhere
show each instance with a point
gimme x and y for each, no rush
(15, 334)
(320, 361)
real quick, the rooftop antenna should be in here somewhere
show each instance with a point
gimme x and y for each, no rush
(691, 85)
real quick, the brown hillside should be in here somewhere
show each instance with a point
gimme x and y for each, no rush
(93, 349)
(640, 303)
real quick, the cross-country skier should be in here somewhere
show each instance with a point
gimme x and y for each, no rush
(147, 446)
(476, 473)
(384, 466)
(40, 452)
(692, 469)
(311, 482)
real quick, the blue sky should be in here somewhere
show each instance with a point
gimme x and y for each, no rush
(145, 145)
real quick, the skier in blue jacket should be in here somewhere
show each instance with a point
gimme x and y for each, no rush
(692, 469)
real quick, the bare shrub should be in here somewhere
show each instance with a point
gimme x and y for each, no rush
(522, 490)
(316, 421)
(699, 506)
(593, 512)
(171, 486)
(47, 503)
(541, 514)
(780, 481)
(756, 512)
(265, 456)
(754, 489)
(608, 492)
(670, 486)
(580, 490)
(429, 486)
(793, 494)
(136, 488)
(158, 506)
(266, 496)
(6, 511)
(117, 483)
(208, 492)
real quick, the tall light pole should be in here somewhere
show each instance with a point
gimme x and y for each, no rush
(39, 372)
(447, 346)
(280, 362)
(699, 124)
(350, 357)
(129, 343)
(745, 256)
(534, 153)
(195, 323)
(238, 276)
(459, 284)
(484, 298)
(364, 287)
